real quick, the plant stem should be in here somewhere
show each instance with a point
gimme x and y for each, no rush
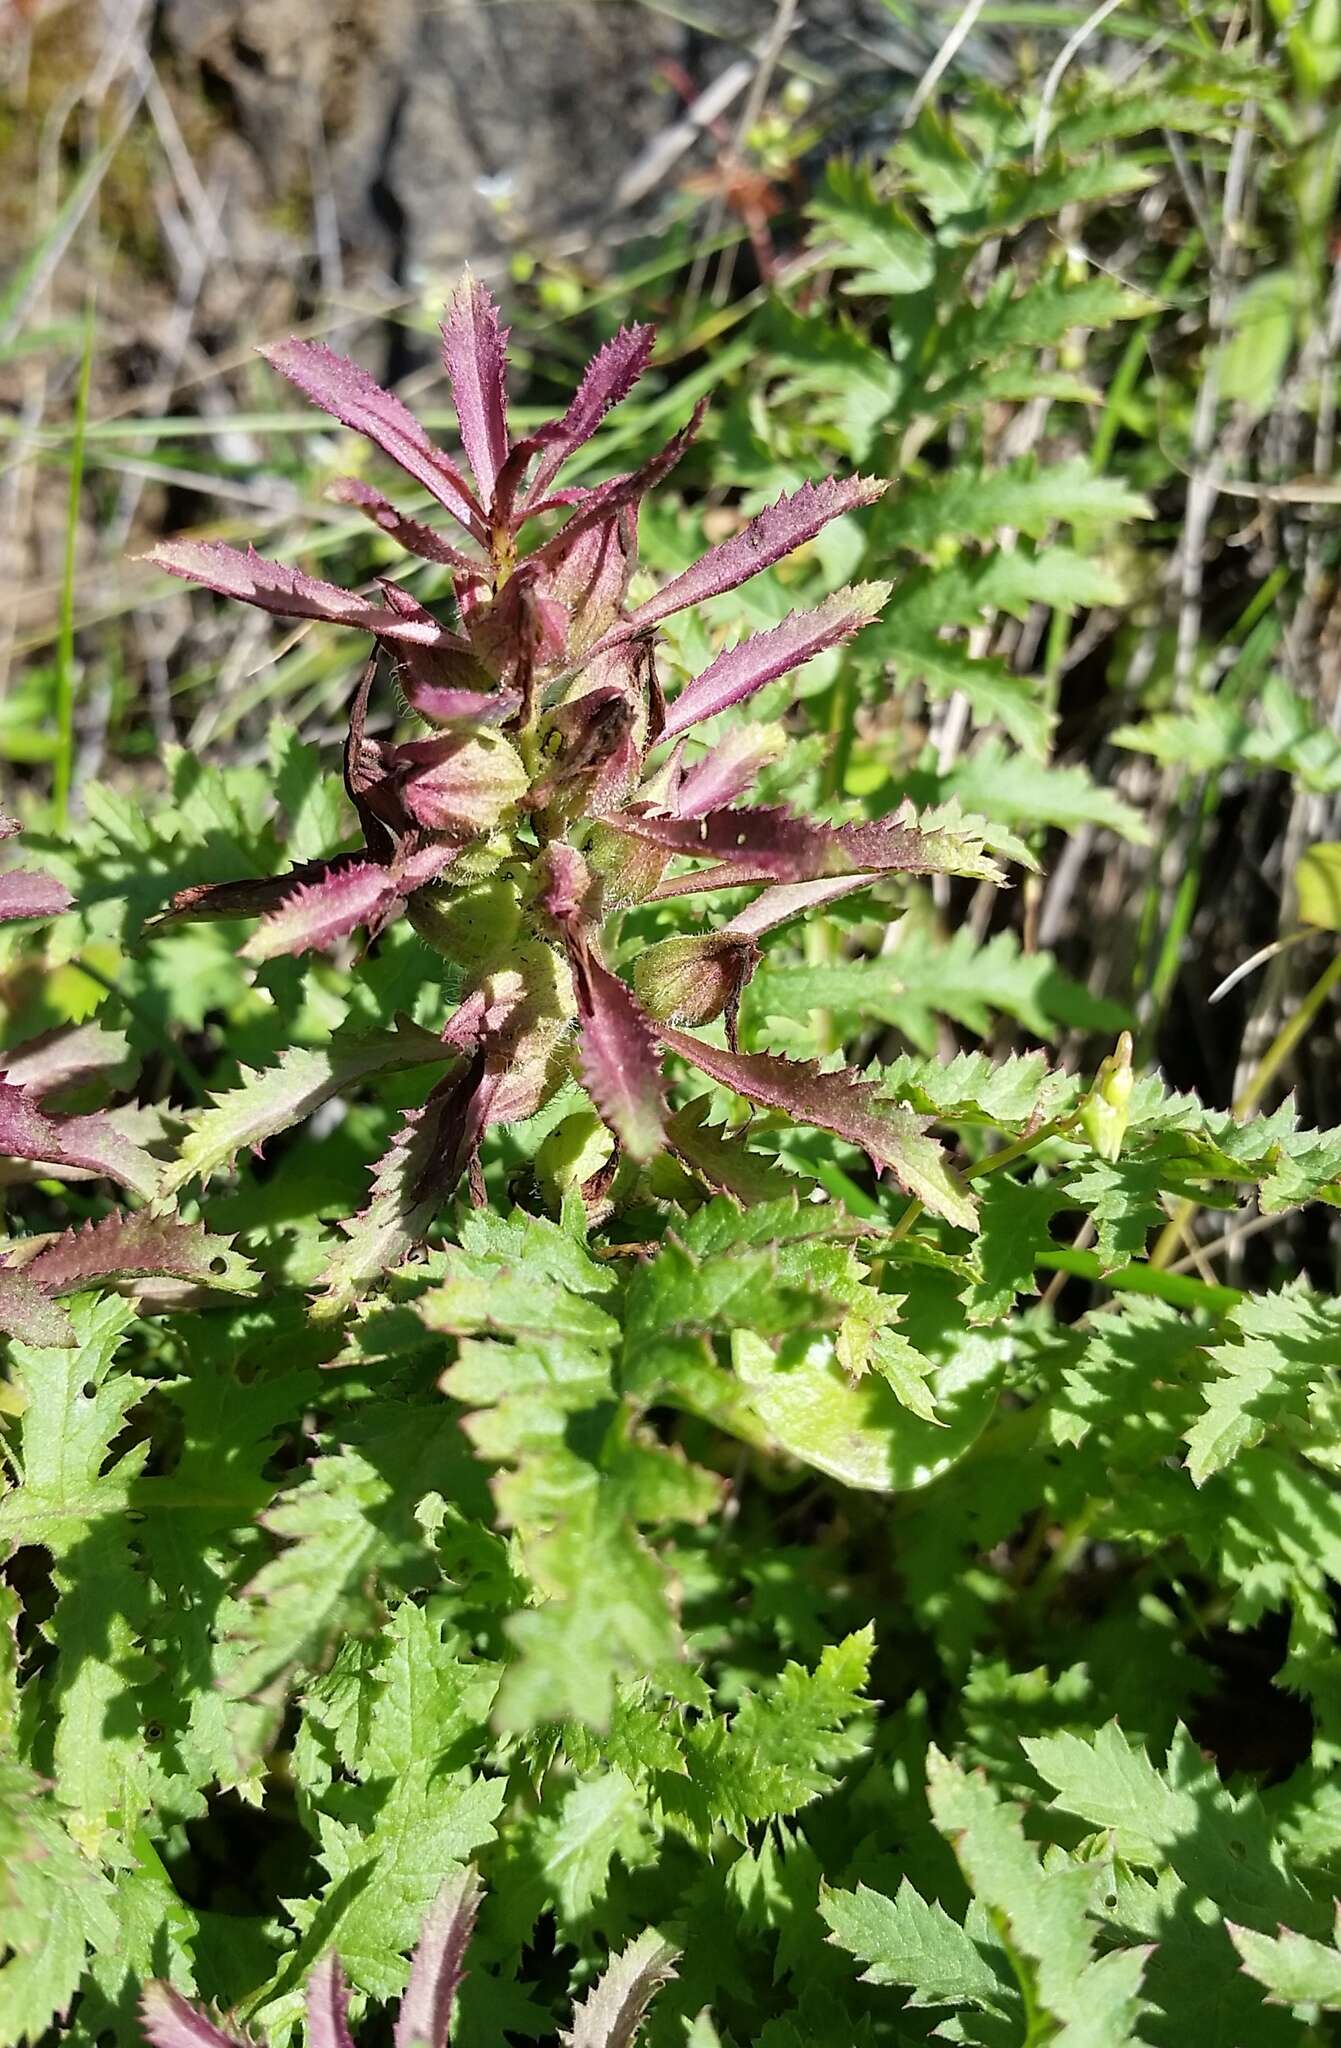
(1057, 1128)
(992, 1164)
(1180, 1290)
(63, 768)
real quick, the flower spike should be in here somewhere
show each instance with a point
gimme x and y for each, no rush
(610, 2016)
(531, 811)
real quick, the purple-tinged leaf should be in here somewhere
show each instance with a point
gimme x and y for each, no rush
(608, 378)
(354, 398)
(57, 1058)
(561, 501)
(171, 2021)
(891, 1137)
(411, 534)
(439, 705)
(414, 1177)
(618, 1058)
(522, 632)
(564, 500)
(327, 2002)
(445, 689)
(277, 1097)
(617, 1054)
(131, 1124)
(590, 576)
(249, 898)
(770, 845)
(764, 844)
(726, 772)
(615, 2007)
(596, 764)
(91, 1142)
(741, 670)
(474, 354)
(425, 2016)
(350, 895)
(793, 899)
(769, 536)
(567, 893)
(407, 606)
(316, 914)
(29, 1314)
(138, 1247)
(945, 842)
(460, 783)
(274, 587)
(622, 493)
(29, 892)
(629, 868)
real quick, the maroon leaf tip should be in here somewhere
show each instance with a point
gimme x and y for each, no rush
(609, 377)
(474, 344)
(741, 670)
(275, 587)
(328, 2005)
(29, 892)
(318, 913)
(425, 2014)
(769, 536)
(891, 1137)
(350, 395)
(171, 2021)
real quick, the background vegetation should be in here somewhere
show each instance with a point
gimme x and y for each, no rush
(924, 1630)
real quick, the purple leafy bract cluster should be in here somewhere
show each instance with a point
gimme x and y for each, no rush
(610, 2015)
(557, 788)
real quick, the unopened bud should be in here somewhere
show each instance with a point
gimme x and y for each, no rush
(630, 868)
(476, 929)
(461, 783)
(578, 1148)
(1104, 1116)
(696, 978)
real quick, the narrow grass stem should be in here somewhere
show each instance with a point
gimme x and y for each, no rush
(63, 768)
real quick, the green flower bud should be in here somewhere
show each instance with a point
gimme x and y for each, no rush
(575, 1150)
(462, 784)
(476, 930)
(694, 979)
(1104, 1115)
(629, 868)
